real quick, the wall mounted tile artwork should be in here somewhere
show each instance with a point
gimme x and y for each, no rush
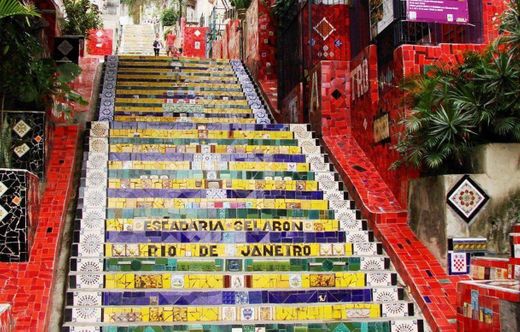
(467, 198)
(458, 263)
(29, 136)
(18, 206)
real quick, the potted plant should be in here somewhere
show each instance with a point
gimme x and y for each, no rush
(81, 16)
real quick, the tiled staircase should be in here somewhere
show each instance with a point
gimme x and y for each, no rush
(137, 39)
(199, 214)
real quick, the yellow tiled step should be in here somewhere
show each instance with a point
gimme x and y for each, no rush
(183, 92)
(196, 148)
(194, 133)
(232, 166)
(261, 280)
(176, 77)
(282, 313)
(178, 85)
(204, 102)
(207, 203)
(235, 184)
(216, 250)
(201, 120)
(160, 109)
(168, 224)
(162, 70)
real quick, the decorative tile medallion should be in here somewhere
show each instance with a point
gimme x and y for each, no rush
(324, 28)
(467, 198)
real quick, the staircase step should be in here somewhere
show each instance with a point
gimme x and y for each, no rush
(195, 213)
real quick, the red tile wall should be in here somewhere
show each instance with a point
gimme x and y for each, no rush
(190, 38)
(27, 286)
(334, 47)
(260, 41)
(217, 49)
(292, 107)
(99, 42)
(225, 44)
(234, 35)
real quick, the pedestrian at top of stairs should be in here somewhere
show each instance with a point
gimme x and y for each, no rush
(157, 44)
(170, 41)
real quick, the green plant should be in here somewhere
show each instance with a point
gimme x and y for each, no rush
(28, 80)
(15, 7)
(241, 4)
(169, 17)
(454, 108)
(81, 16)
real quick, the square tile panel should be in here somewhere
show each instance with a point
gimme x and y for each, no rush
(21, 128)
(458, 263)
(467, 198)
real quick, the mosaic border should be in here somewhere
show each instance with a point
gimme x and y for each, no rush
(253, 99)
(108, 94)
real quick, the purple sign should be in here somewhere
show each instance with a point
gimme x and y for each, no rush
(437, 11)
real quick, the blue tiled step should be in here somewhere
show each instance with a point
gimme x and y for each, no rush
(188, 141)
(195, 174)
(226, 237)
(236, 297)
(209, 126)
(220, 213)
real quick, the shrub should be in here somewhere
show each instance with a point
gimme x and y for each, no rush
(453, 108)
(169, 17)
(81, 16)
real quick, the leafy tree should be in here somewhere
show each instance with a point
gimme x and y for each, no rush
(169, 17)
(81, 16)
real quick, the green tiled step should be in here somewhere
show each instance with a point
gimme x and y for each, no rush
(335, 264)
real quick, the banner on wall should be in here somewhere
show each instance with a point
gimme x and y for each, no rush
(381, 15)
(437, 11)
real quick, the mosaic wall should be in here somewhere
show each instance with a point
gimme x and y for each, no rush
(260, 41)
(329, 33)
(194, 42)
(234, 35)
(19, 202)
(100, 42)
(29, 140)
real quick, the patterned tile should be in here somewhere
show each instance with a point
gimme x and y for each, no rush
(467, 198)
(29, 139)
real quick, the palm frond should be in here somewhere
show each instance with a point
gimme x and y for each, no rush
(15, 7)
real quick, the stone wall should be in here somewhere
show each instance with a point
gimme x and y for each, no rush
(495, 168)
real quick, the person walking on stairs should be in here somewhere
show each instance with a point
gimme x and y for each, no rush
(157, 45)
(170, 41)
